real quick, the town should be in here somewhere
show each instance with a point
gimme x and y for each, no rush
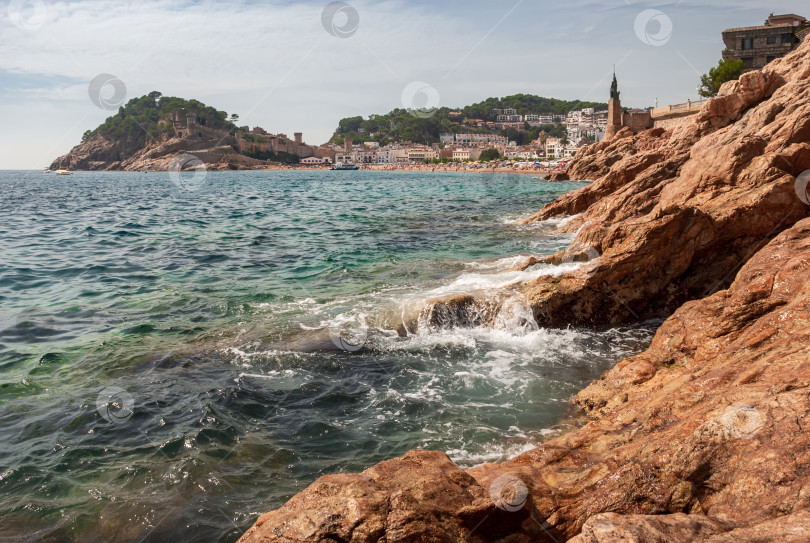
(582, 127)
(754, 46)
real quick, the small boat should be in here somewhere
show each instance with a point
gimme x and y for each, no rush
(64, 172)
(46, 170)
(345, 166)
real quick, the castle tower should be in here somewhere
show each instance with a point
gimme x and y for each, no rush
(615, 117)
(347, 145)
(299, 138)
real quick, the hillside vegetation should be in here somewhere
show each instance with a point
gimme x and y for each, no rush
(401, 125)
(147, 117)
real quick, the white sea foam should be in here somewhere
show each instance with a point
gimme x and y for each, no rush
(471, 282)
(494, 453)
(553, 223)
(501, 264)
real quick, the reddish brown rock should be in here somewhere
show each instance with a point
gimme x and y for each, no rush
(673, 214)
(793, 528)
(214, 150)
(421, 496)
(677, 528)
(680, 528)
(711, 420)
(704, 436)
(558, 176)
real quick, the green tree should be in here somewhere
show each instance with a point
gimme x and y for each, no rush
(489, 154)
(726, 70)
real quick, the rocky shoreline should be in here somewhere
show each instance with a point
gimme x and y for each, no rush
(704, 436)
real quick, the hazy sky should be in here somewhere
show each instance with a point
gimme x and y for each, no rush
(276, 64)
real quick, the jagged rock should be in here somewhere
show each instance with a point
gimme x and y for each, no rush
(794, 528)
(701, 437)
(677, 528)
(421, 496)
(708, 421)
(213, 149)
(673, 214)
(558, 176)
(463, 311)
(680, 528)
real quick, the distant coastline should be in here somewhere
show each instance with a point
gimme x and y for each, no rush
(468, 168)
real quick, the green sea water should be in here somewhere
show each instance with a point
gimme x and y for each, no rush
(181, 354)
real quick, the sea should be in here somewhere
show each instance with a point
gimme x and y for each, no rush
(180, 353)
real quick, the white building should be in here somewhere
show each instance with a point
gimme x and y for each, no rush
(510, 118)
(364, 156)
(462, 154)
(421, 154)
(316, 160)
(465, 140)
(555, 148)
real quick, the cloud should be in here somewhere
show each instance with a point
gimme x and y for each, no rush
(274, 63)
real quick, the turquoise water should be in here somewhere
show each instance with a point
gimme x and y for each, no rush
(179, 355)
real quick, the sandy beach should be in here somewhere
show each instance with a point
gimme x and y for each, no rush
(470, 168)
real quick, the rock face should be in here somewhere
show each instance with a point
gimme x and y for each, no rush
(99, 153)
(673, 215)
(704, 436)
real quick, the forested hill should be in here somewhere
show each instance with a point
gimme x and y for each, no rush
(401, 125)
(147, 117)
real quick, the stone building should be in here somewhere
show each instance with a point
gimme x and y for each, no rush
(756, 46)
(259, 141)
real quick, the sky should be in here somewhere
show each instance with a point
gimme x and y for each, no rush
(65, 66)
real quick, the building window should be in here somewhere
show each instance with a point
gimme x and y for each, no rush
(748, 62)
(747, 43)
(771, 59)
(787, 38)
(771, 40)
